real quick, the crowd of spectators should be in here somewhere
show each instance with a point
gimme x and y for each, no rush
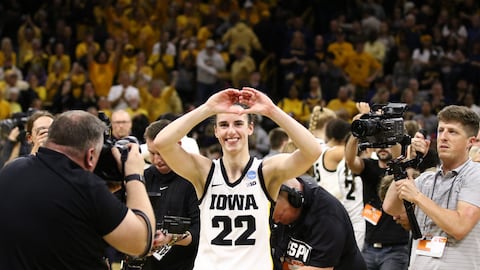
(158, 57)
(140, 60)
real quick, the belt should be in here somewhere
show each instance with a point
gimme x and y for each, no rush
(382, 245)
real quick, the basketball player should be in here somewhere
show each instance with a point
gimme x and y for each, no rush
(325, 168)
(236, 191)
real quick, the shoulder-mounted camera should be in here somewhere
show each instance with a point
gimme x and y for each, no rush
(382, 127)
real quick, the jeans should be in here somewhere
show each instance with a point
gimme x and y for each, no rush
(387, 258)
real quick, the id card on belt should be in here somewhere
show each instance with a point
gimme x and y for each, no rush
(433, 247)
(371, 214)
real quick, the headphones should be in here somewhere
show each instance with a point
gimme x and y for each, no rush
(295, 197)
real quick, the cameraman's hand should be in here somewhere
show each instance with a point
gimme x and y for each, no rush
(134, 163)
(363, 107)
(13, 135)
(407, 190)
(420, 144)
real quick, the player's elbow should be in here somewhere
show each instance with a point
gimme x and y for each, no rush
(315, 152)
(159, 142)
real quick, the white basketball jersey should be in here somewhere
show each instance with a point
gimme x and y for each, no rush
(326, 178)
(352, 199)
(234, 221)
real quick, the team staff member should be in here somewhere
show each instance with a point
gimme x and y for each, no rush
(60, 214)
(171, 195)
(386, 242)
(237, 190)
(447, 200)
(317, 230)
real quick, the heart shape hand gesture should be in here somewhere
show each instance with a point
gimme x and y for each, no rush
(226, 100)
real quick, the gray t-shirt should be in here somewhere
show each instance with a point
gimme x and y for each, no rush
(461, 184)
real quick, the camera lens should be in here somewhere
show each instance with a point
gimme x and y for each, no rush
(363, 127)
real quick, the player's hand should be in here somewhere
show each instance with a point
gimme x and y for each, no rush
(223, 101)
(161, 239)
(258, 102)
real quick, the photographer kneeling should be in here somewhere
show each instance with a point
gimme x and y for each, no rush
(60, 214)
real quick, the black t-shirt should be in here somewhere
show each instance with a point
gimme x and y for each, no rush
(386, 231)
(323, 235)
(173, 195)
(54, 214)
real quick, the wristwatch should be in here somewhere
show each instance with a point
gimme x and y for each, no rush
(135, 176)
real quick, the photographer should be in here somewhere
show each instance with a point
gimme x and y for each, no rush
(386, 242)
(447, 200)
(61, 215)
(21, 142)
(170, 195)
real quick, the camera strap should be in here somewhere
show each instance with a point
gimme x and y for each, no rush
(123, 159)
(149, 231)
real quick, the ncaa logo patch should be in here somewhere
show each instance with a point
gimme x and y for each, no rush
(251, 175)
(251, 183)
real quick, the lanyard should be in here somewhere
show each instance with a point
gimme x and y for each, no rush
(433, 192)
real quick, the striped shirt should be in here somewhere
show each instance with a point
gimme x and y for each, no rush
(461, 184)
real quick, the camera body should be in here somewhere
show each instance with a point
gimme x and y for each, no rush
(382, 127)
(107, 167)
(17, 120)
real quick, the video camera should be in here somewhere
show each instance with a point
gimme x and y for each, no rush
(17, 120)
(385, 128)
(107, 167)
(382, 127)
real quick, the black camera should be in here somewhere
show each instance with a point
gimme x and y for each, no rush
(17, 120)
(107, 167)
(382, 127)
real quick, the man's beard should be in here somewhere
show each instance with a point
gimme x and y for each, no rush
(384, 156)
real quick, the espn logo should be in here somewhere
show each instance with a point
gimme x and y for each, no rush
(298, 250)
